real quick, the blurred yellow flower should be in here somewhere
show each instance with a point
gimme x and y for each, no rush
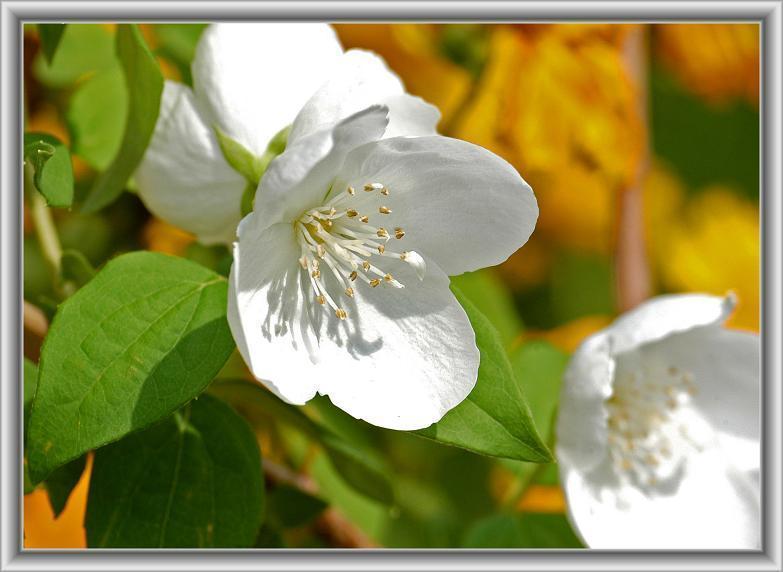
(569, 336)
(160, 236)
(558, 103)
(547, 101)
(716, 61)
(542, 498)
(715, 247)
(412, 51)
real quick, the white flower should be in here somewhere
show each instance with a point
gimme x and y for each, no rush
(340, 278)
(250, 81)
(658, 430)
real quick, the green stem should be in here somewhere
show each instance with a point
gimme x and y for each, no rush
(43, 221)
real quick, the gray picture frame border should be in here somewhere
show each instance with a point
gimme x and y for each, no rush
(13, 14)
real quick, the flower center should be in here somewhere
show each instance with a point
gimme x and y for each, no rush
(338, 239)
(651, 430)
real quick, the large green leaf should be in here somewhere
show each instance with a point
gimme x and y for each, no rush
(61, 482)
(492, 298)
(494, 419)
(82, 49)
(96, 116)
(289, 507)
(539, 366)
(530, 530)
(50, 35)
(30, 385)
(192, 481)
(144, 83)
(143, 337)
(51, 162)
(360, 469)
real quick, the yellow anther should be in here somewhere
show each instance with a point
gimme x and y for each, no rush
(321, 300)
(316, 273)
(384, 210)
(340, 313)
(351, 191)
(382, 232)
(370, 187)
(385, 191)
(381, 249)
(365, 265)
(351, 213)
(388, 277)
(403, 255)
(398, 233)
(374, 282)
(349, 292)
(364, 218)
(353, 275)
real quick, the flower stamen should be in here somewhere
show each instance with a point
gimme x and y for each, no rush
(342, 238)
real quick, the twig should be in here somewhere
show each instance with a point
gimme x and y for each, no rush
(631, 265)
(332, 524)
(35, 320)
(45, 229)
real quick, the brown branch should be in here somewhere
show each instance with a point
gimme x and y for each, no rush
(35, 320)
(331, 524)
(631, 265)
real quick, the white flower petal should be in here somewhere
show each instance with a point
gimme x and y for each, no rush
(712, 507)
(401, 360)
(183, 177)
(665, 315)
(252, 79)
(266, 310)
(362, 79)
(725, 366)
(301, 176)
(458, 203)
(411, 354)
(581, 424)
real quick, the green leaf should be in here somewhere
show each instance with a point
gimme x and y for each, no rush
(240, 158)
(540, 367)
(291, 507)
(144, 336)
(145, 86)
(76, 268)
(51, 162)
(61, 483)
(530, 530)
(30, 371)
(50, 35)
(252, 168)
(83, 48)
(192, 481)
(492, 298)
(494, 419)
(30, 385)
(356, 466)
(96, 116)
